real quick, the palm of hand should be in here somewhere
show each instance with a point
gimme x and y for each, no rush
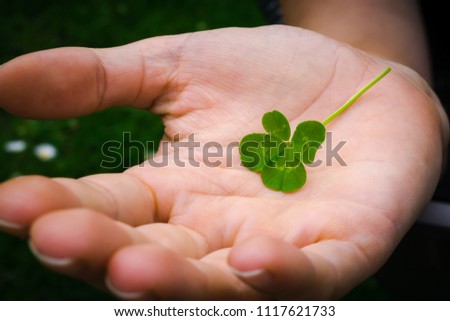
(217, 232)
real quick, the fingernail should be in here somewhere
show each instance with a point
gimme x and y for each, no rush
(8, 226)
(258, 277)
(51, 261)
(122, 294)
(13, 228)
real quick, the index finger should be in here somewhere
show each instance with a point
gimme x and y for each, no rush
(74, 81)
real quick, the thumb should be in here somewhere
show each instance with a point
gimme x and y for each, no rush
(72, 81)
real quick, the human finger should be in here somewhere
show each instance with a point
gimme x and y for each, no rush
(79, 242)
(146, 271)
(321, 271)
(73, 81)
(120, 196)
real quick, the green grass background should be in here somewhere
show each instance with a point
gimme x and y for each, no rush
(27, 26)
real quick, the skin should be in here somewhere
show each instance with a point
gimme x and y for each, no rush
(217, 233)
(389, 29)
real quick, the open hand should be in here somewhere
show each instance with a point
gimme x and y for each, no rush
(216, 232)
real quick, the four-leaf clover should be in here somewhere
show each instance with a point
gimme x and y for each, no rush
(280, 158)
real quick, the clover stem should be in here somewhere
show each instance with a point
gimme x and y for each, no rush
(356, 96)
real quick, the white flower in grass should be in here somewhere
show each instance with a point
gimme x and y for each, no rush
(15, 146)
(45, 152)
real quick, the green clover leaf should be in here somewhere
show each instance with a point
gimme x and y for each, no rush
(253, 153)
(307, 139)
(280, 161)
(286, 174)
(276, 124)
(259, 150)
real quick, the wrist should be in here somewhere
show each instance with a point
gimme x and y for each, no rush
(387, 29)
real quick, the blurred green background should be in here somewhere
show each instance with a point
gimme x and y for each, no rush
(27, 26)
